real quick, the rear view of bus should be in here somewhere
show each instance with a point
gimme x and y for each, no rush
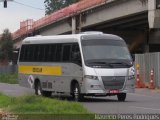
(108, 66)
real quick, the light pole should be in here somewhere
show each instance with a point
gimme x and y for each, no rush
(5, 2)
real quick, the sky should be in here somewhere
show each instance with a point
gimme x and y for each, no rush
(11, 16)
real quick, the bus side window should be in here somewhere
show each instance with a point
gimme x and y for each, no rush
(41, 51)
(26, 53)
(46, 53)
(22, 53)
(36, 53)
(32, 53)
(51, 53)
(66, 53)
(58, 52)
(29, 53)
(75, 54)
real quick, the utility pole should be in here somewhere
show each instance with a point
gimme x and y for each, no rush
(5, 2)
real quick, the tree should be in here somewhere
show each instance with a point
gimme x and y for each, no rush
(6, 46)
(54, 5)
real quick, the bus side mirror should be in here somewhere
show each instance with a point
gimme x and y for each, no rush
(133, 57)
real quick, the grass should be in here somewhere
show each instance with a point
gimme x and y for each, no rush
(9, 78)
(39, 105)
(42, 108)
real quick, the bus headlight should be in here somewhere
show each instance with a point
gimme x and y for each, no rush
(91, 77)
(131, 77)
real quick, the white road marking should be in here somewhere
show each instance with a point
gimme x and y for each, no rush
(145, 108)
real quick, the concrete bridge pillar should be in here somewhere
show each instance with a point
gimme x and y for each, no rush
(76, 24)
(73, 25)
(153, 14)
(154, 25)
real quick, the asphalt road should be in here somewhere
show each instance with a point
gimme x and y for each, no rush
(14, 90)
(142, 101)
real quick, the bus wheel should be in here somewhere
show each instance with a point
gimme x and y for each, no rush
(38, 89)
(76, 93)
(121, 97)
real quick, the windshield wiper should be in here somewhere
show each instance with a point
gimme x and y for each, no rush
(120, 63)
(100, 63)
(97, 63)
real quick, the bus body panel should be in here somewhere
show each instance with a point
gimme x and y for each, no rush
(97, 86)
(59, 83)
(60, 80)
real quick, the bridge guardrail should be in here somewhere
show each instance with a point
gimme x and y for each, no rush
(67, 11)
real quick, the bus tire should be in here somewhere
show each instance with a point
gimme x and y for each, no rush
(38, 88)
(121, 97)
(77, 96)
(39, 91)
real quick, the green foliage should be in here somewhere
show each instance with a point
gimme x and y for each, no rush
(2, 56)
(6, 44)
(40, 105)
(8, 78)
(54, 5)
(4, 100)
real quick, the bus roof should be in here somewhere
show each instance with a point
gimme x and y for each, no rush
(68, 38)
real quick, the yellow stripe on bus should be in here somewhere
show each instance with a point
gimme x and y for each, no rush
(42, 70)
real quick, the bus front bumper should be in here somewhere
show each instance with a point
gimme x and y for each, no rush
(107, 92)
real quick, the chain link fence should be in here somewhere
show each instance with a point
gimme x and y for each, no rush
(8, 69)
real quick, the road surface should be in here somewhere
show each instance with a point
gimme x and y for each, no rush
(142, 101)
(14, 90)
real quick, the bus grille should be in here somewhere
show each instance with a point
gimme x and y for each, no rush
(113, 82)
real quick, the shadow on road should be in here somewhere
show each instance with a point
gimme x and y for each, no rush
(89, 99)
(92, 99)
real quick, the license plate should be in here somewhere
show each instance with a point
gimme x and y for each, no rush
(114, 91)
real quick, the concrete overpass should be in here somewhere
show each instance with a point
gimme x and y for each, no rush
(137, 21)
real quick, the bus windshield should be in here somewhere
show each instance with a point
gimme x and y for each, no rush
(109, 53)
